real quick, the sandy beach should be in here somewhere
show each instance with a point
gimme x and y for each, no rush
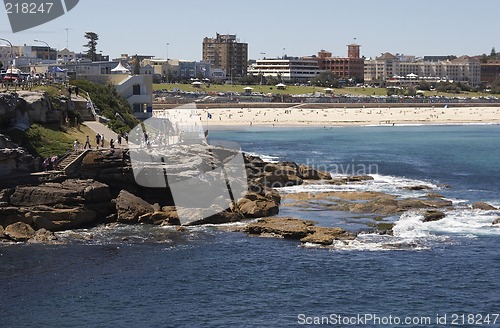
(336, 116)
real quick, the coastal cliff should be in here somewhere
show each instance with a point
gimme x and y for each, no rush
(101, 188)
(21, 109)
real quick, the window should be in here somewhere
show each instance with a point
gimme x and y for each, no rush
(136, 89)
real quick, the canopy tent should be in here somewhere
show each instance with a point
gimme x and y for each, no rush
(328, 90)
(280, 86)
(120, 69)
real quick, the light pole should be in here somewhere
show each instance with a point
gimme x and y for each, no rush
(48, 48)
(11, 60)
(167, 50)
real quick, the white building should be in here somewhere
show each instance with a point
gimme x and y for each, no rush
(287, 69)
(388, 67)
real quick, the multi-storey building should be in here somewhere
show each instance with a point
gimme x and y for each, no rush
(351, 66)
(176, 69)
(287, 69)
(226, 53)
(490, 71)
(391, 68)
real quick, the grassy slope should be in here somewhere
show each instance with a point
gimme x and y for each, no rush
(292, 89)
(45, 141)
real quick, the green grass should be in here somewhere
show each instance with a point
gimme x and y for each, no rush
(47, 141)
(293, 90)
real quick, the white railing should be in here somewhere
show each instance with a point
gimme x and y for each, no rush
(92, 107)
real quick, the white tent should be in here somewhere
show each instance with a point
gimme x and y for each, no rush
(120, 69)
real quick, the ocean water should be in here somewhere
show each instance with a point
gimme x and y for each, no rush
(435, 274)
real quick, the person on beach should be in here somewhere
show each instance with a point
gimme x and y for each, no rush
(87, 143)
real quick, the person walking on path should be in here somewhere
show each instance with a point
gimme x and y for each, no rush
(87, 143)
(119, 139)
(98, 140)
(102, 140)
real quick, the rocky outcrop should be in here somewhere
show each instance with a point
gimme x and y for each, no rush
(303, 230)
(484, 206)
(14, 159)
(326, 235)
(430, 216)
(44, 236)
(282, 174)
(20, 110)
(496, 222)
(129, 208)
(255, 205)
(19, 231)
(368, 202)
(57, 206)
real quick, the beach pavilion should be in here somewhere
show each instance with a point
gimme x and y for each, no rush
(248, 90)
(196, 84)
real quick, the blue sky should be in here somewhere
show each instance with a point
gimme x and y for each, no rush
(424, 27)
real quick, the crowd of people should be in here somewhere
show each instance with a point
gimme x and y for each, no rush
(100, 141)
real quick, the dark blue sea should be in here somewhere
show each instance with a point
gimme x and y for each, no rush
(443, 273)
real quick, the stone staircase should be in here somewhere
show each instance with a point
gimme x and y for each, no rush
(80, 105)
(67, 160)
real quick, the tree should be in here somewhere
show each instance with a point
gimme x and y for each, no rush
(326, 79)
(493, 52)
(91, 45)
(137, 65)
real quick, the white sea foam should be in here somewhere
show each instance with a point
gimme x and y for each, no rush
(410, 232)
(466, 223)
(265, 158)
(381, 183)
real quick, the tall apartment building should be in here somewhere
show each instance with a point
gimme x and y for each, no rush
(389, 67)
(226, 53)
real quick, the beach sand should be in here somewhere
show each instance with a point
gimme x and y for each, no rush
(336, 116)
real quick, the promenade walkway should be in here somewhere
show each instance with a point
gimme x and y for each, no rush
(103, 130)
